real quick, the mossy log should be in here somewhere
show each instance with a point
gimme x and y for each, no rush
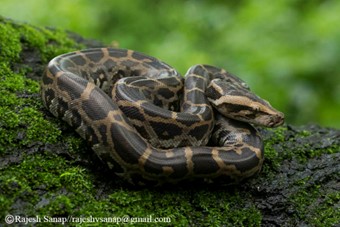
(48, 172)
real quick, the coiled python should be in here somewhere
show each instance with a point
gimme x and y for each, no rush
(125, 104)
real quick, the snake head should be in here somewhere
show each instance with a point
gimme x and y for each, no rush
(233, 99)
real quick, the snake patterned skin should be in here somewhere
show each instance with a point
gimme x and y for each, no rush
(125, 104)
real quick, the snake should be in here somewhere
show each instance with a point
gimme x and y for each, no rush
(152, 126)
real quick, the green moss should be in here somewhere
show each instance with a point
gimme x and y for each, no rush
(77, 178)
(9, 84)
(317, 207)
(23, 125)
(318, 152)
(39, 173)
(272, 158)
(14, 83)
(304, 147)
(311, 203)
(69, 190)
(36, 126)
(21, 122)
(75, 145)
(9, 43)
(228, 208)
(303, 151)
(48, 43)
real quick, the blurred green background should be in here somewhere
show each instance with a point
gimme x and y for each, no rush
(288, 51)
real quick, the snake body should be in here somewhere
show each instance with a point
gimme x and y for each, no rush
(125, 104)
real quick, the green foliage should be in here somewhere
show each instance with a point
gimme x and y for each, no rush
(21, 124)
(70, 191)
(304, 148)
(315, 209)
(47, 173)
(9, 44)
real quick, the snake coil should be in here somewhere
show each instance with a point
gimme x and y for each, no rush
(125, 104)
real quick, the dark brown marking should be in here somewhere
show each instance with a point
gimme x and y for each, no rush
(133, 112)
(103, 134)
(209, 166)
(125, 142)
(154, 111)
(160, 127)
(98, 105)
(79, 60)
(96, 56)
(62, 107)
(71, 84)
(200, 132)
(118, 53)
(49, 94)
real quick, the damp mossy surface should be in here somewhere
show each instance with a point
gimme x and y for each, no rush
(48, 171)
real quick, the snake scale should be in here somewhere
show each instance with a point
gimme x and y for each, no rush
(152, 126)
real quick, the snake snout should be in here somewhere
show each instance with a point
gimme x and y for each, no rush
(276, 120)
